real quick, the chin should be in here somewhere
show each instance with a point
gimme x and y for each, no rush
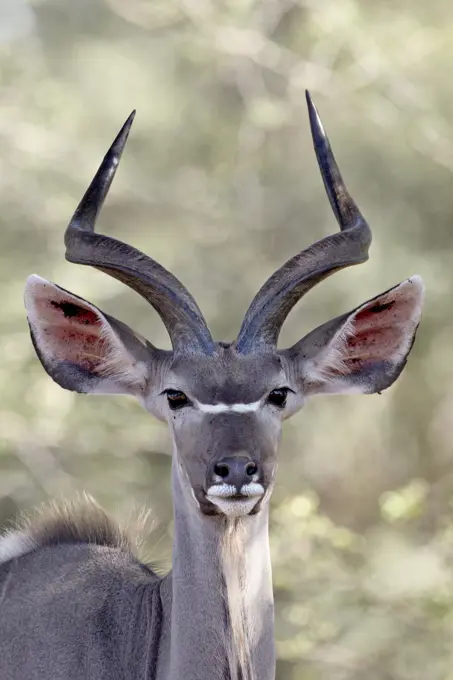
(227, 501)
(236, 507)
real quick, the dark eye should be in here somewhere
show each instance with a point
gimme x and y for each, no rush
(278, 397)
(176, 399)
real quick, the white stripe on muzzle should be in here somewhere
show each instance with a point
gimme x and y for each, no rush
(223, 496)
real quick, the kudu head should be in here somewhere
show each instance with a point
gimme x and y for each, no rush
(224, 402)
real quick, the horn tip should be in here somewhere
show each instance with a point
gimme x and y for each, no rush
(310, 103)
(121, 139)
(86, 213)
(131, 117)
(317, 127)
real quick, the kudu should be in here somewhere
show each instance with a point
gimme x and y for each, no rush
(74, 601)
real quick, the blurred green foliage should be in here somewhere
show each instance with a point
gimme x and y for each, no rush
(219, 183)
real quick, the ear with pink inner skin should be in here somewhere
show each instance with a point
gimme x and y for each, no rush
(364, 350)
(80, 347)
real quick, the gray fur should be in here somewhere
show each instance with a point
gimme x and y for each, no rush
(78, 611)
(74, 601)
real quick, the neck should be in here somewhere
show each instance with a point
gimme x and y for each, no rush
(222, 623)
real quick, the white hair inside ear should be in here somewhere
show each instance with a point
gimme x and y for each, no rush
(368, 349)
(79, 346)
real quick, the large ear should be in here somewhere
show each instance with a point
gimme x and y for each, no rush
(81, 348)
(364, 350)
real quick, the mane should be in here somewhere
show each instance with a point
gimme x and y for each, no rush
(234, 573)
(79, 520)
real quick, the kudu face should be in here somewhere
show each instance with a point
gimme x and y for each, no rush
(225, 412)
(224, 402)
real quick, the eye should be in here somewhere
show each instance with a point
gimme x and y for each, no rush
(176, 399)
(278, 397)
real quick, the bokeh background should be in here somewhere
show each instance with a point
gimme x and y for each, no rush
(220, 184)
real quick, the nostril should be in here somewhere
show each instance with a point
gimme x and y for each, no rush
(222, 470)
(251, 469)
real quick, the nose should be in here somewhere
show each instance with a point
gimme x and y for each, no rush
(234, 471)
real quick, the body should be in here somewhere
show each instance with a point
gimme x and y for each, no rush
(78, 611)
